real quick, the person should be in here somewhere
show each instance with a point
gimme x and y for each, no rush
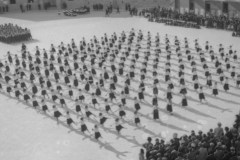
(94, 100)
(148, 145)
(69, 119)
(78, 107)
(202, 151)
(44, 91)
(98, 90)
(9, 89)
(107, 106)
(215, 89)
(232, 155)
(123, 98)
(70, 91)
(56, 113)
(112, 96)
(141, 154)
(209, 81)
(155, 90)
(34, 102)
(238, 80)
(226, 85)
(136, 118)
(141, 94)
(136, 104)
(122, 113)
(87, 112)
(44, 106)
(62, 101)
(102, 118)
(155, 113)
(26, 97)
(21, 8)
(183, 89)
(83, 126)
(201, 94)
(81, 96)
(218, 132)
(169, 93)
(118, 125)
(193, 152)
(97, 134)
(233, 72)
(169, 106)
(184, 100)
(218, 154)
(196, 84)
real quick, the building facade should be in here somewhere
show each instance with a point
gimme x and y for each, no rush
(200, 7)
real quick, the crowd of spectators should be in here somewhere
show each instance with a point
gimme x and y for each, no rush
(10, 33)
(209, 21)
(217, 144)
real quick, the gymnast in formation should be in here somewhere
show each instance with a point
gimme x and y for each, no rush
(106, 82)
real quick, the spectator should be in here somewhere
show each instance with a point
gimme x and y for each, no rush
(141, 155)
(203, 153)
(218, 132)
(210, 146)
(193, 154)
(218, 154)
(231, 155)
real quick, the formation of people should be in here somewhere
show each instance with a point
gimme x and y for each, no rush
(112, 78)
(220, 22)
(77, 11)
(10, 33)
(217, 144)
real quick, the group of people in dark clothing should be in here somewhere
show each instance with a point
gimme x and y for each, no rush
(4, 8)
(174, 18)
(109, 9)
(98, 7)
(112, 78)
(26, 7)
(133, 11)
(10, 33)
(217, 144)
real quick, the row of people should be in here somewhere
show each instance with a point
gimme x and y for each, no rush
(4, 8)
(98, 7)
(10, 33)
(51, 74)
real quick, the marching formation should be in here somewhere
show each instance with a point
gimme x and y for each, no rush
(10, 33)
(104, 83)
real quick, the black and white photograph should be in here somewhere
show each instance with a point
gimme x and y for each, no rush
(119, 79)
